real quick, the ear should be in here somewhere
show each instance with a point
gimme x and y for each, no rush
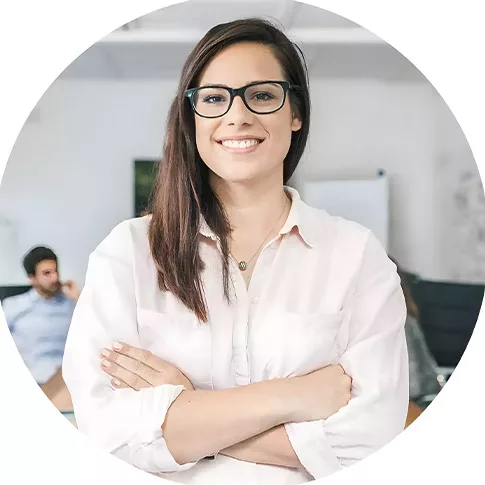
(295, 122)
(32, 280)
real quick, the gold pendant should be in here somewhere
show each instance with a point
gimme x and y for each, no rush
(242, 265)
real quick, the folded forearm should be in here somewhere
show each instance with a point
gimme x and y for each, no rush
(272, 447)
(201, 423)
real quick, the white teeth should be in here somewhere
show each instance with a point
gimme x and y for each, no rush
(239, 143)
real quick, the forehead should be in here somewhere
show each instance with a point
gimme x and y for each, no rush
(46, 265)
(240, 64)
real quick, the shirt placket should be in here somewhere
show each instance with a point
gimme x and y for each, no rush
(240, 362)
(247, 302)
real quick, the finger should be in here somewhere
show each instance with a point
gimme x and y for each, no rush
(144, 356)
(132, 365)
(119, 384)
(132, 380)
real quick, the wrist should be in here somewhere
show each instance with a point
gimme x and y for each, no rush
(186, 382)
(284, 400)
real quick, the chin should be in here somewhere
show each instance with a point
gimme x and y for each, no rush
(242, 176)
(244, 173)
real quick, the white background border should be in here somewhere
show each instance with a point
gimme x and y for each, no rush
(442, 38)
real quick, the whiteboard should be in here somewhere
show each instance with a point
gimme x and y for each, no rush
(363, 201)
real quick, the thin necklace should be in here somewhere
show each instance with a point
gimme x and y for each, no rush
(243, 265)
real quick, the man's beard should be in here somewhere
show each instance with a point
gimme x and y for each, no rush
(50, 291)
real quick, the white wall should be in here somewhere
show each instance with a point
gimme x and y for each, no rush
(460, 202)
(69, 179)
(360, 126)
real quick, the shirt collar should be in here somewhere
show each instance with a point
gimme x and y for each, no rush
(299, 217)
(205, 230)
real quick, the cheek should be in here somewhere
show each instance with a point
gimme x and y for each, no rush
(203, 139)
(280, 138)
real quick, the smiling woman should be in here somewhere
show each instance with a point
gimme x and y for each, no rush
(234, 321)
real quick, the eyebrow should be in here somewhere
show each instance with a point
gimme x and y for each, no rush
(221, 85)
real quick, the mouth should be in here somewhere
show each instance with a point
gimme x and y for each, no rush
(243, 145)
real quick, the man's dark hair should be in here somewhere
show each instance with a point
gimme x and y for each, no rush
(35, 256)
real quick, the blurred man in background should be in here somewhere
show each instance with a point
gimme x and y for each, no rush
(39, 319)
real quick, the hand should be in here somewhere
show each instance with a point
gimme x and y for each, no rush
(321, 393)
(70, 290)
(137, 368)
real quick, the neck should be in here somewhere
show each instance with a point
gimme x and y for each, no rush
(255, 207)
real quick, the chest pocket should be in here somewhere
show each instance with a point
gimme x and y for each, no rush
(180, 340)
(291, 344)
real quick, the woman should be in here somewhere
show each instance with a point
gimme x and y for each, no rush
(239, 313)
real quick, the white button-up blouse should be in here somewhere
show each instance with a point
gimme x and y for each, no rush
(322, 292)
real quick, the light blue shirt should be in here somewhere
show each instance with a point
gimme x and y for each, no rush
(39, 328)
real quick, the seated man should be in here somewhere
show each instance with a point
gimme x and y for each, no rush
(39, 319)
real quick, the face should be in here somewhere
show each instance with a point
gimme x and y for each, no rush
(270, 134)
(46, 279)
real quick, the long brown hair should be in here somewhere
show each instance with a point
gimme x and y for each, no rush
(182, 193)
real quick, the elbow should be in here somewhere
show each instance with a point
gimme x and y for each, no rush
(178, 448)
(181, 457)
(154, 457)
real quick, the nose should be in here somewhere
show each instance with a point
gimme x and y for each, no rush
(239, 113)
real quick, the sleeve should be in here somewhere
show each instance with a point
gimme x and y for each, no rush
(8, 310)
(124, 422)
(377, 360)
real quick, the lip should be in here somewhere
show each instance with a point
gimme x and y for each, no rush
(239, 137)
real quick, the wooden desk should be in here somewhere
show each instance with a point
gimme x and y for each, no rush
(414, 411)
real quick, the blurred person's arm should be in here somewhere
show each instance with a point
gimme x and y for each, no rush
(71, 290)
(56, 391)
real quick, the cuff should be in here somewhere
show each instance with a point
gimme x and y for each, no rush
(312, 448)
(150, 452)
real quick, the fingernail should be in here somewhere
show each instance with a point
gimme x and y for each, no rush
(106, 363)
(105, 353)
(117, 346)
(116, 382)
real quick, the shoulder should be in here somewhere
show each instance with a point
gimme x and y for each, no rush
(125, 238)
(16, 304)
(329, 227)
(348, 241)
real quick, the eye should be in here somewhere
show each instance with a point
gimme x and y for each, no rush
(263, 96)
(213, 99)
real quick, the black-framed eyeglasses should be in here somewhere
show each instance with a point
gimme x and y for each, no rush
(262, 97)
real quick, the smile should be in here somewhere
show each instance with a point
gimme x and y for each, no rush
(246, 145)
(240, 143)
